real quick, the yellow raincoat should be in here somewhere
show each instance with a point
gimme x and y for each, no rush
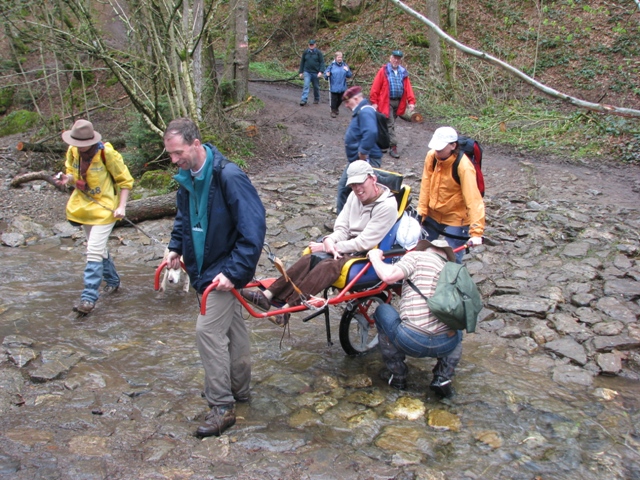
(100, 180)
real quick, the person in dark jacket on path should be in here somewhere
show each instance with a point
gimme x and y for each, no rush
(311, 69)
(219, 230)
(359, 140)
(337, 74)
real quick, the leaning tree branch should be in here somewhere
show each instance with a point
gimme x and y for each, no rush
(597, 107)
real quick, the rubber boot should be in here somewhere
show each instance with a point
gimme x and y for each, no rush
(92, 280)
(396, 372)
(110, 275)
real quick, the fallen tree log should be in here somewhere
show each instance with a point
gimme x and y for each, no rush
(62, 148)
(32, 176)
(149, 208)
(152, 208)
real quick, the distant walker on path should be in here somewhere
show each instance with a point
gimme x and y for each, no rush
(391, 94)
(337, 73)
(311, 69)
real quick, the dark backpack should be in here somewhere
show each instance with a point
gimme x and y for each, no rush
(383, 140)
(473, 150)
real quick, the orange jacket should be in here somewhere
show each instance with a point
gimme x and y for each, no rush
(379, 93)
(442, 199)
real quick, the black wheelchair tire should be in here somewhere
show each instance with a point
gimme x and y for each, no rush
(353, 339)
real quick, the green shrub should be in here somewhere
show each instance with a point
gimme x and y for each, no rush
(18, 122)
(6, 99)
(144, 147)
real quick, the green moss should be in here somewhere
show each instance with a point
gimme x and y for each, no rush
(18, 122)
(159, 180)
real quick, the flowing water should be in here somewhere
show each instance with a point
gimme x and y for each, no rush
(129, 407)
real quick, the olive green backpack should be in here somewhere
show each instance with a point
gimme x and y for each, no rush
(456, 301)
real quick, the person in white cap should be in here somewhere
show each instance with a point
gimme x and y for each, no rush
(370, 212)
(454, 210)
(102, 184)
(414, 330)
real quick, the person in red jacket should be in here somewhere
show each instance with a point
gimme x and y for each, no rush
(391, 94)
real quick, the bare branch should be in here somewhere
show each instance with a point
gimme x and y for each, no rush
(597, 107)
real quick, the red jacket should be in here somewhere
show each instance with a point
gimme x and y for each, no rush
(379, 94)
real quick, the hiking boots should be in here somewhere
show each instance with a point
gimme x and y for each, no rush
(334, 113)
(110, 289)
(302, 104)
(392, 380)
(441, 386)
(257, 298)
(217, 421)
(393, 151)
(316, 102)
(85, 307)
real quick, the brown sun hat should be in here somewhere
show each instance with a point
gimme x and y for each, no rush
(439, 244)
(81, 134)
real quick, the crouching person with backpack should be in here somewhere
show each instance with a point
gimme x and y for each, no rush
(450, 201)
(414, 330)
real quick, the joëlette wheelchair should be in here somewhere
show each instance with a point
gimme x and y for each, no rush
(358, 286)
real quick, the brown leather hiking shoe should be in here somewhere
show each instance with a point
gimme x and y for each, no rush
(257, 298)
(85, 306)
(217, 421)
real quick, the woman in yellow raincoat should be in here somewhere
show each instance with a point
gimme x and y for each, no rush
(102, 184)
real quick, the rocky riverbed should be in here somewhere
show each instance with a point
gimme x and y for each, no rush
(548, 386)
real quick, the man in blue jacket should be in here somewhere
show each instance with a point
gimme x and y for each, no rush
(337, 74)
(360, 138)
(219, 230)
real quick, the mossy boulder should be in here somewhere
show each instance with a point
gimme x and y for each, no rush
(17, 122)
(159, 180)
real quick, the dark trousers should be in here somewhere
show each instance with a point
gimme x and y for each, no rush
(336, 101)
(324, 274)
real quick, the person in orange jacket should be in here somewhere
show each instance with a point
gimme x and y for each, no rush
(454, 210)
(392, 95)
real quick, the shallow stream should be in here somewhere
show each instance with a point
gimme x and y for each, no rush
(129, 406)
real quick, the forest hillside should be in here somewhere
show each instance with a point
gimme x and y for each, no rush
(589, 49)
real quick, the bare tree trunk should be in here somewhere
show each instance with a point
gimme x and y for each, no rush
(241, 53)
(435, 50)
(452, 17)
(198, 7)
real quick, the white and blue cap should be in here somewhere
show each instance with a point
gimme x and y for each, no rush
(442, 137)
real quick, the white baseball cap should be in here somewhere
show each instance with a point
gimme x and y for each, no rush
(358, 172)
(442, 137)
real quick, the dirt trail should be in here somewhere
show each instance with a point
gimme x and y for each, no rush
(320, 137)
